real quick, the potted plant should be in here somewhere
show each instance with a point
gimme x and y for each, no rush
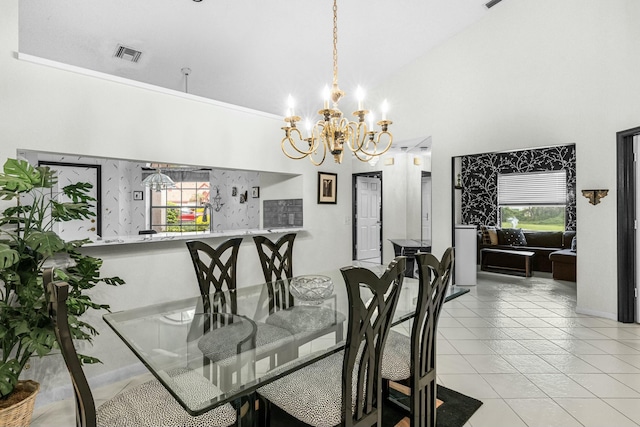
(27, 244)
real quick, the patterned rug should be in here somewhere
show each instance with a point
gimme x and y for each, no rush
(455, 411)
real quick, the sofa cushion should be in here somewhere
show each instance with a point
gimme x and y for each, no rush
(489, 234)
(574, 244)
(511, 236)
(544, 239)
(566, 256)
(567, 238)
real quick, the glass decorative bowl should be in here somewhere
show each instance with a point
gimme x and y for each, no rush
(312, 289)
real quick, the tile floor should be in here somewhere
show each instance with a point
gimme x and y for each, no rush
(518, 345)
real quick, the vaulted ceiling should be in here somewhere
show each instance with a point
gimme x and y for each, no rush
(251, 53)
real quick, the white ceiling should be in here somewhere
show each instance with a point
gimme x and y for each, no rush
(251, 53)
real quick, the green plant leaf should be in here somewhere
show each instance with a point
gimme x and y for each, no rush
(88, 359)
(79, 192)
(46, 243)
(8, 256)
(39, 341)
(20, 327)
(18, 177)
(9, 372)
(69, 211)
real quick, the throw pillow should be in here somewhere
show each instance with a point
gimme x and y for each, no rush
(513, 237)
(489, 234)
(574, 244)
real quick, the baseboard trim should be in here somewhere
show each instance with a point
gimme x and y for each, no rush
(603, 314)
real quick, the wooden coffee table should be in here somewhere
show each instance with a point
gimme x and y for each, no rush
(524, 257)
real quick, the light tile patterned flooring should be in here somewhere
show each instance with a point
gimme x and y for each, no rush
(518, 345)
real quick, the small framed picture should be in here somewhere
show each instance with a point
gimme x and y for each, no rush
(255, 192)
(327, 188)
(138, 195)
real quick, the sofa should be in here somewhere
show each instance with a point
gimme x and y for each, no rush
(553, 250)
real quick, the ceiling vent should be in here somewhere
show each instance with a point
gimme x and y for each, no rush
(492, 3)
(127, 53)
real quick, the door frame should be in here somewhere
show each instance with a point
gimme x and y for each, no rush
(626, 213)
(426, 174)
(354, 211)
(98, 201)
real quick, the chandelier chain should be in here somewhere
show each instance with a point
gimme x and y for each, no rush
(335, 41)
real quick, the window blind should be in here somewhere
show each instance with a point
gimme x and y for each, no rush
(178, 175)
(529, 189)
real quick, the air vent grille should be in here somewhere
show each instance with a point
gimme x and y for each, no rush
(127, 53)
(492, 3)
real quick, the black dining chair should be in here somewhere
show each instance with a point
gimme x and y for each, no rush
(224, 336)
(345, 388)
(148, 404)
(305, 323)
(411, 361)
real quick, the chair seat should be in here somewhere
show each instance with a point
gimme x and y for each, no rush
(396, 359)
(301, 320)
(312, 394)
(220, 345)
(150, 405)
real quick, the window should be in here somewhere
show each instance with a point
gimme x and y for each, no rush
(181, 209)
(533, 201)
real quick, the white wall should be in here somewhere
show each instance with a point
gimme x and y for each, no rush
(533, 73)
(49, 109)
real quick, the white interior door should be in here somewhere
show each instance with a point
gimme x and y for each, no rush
(426, 208)
(368, 222)
(77, 229)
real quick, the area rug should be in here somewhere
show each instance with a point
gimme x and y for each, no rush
(455, 411)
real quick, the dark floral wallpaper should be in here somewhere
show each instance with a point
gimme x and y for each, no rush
(480, 179)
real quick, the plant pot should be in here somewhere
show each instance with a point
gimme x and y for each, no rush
(19, 413)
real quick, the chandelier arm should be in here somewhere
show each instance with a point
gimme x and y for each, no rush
(359, 129)
(362, 159)
(316, 136)
(376, 141)
(288, 138)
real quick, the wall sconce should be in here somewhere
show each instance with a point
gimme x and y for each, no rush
(217, 200)
(458, 185)
(594, 196)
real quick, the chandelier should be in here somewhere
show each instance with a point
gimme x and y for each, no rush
(333, 131)
(158, 181)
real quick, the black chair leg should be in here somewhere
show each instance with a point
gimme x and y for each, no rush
(263, 416)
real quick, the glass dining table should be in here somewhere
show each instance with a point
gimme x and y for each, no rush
(168, 338)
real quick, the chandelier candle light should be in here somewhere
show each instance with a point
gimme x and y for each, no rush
(332, 131)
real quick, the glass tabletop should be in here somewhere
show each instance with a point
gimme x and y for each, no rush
(186, 342)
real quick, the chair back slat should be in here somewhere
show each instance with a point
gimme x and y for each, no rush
(216, 273)
(276, 260)
(369, 323)
(434, 279)
(56, 294)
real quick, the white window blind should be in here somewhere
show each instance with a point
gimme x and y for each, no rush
(536, 188)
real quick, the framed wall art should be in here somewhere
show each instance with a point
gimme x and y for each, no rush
(327, 188)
